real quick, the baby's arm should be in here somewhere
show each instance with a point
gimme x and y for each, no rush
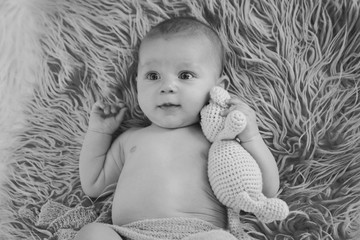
(262, 155)
(252, 142)
(100, 161)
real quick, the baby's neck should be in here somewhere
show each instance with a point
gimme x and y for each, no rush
(194, 127)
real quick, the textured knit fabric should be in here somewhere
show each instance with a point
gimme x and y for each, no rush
(172, 229)
(234, 175)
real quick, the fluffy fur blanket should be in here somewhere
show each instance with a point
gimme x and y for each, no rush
(296, 62)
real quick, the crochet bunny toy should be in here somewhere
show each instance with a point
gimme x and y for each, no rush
(234, 175)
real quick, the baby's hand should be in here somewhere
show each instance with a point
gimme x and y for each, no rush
(251, 130)
(106, 118)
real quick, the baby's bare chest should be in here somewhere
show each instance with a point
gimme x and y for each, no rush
(168, 157)
(169, 174)
(174, 148)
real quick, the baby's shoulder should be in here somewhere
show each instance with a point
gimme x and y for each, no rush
(128, 134)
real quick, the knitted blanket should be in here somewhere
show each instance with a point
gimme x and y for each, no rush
(62, 222)
(296, 63)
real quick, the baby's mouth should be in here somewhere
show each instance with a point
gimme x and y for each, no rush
(168, 106)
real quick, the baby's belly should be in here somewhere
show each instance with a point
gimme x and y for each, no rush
(156, 193)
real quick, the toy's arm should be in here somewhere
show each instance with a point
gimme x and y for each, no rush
(264, 158)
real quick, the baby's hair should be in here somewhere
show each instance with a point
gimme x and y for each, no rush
(191, 26)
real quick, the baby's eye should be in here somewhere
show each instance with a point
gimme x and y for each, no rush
(186, 75)
(153, 76)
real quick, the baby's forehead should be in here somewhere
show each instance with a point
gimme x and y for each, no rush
(211, 44)
(182, 47)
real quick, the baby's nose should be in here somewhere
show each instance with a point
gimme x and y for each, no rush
(168, 86)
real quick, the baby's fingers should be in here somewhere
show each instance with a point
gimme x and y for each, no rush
(107, 109)
(98, 104)
(120, 116)
(115, 108)
(120, 104)
(236, 102)
(98, 107)
(225, 112)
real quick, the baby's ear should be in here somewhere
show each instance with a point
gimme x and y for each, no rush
(223, 82)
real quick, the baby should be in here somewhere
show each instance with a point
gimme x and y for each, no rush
(161, 170)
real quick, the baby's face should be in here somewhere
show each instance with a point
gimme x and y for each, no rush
(175, 75)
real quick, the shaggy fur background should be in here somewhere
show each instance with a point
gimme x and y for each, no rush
(296, 62)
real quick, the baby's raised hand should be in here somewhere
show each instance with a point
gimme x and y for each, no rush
(251, 130)
(106, 118)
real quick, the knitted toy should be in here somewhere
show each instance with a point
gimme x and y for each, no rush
(234, 175)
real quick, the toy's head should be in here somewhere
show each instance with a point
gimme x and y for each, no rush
(212, 122)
